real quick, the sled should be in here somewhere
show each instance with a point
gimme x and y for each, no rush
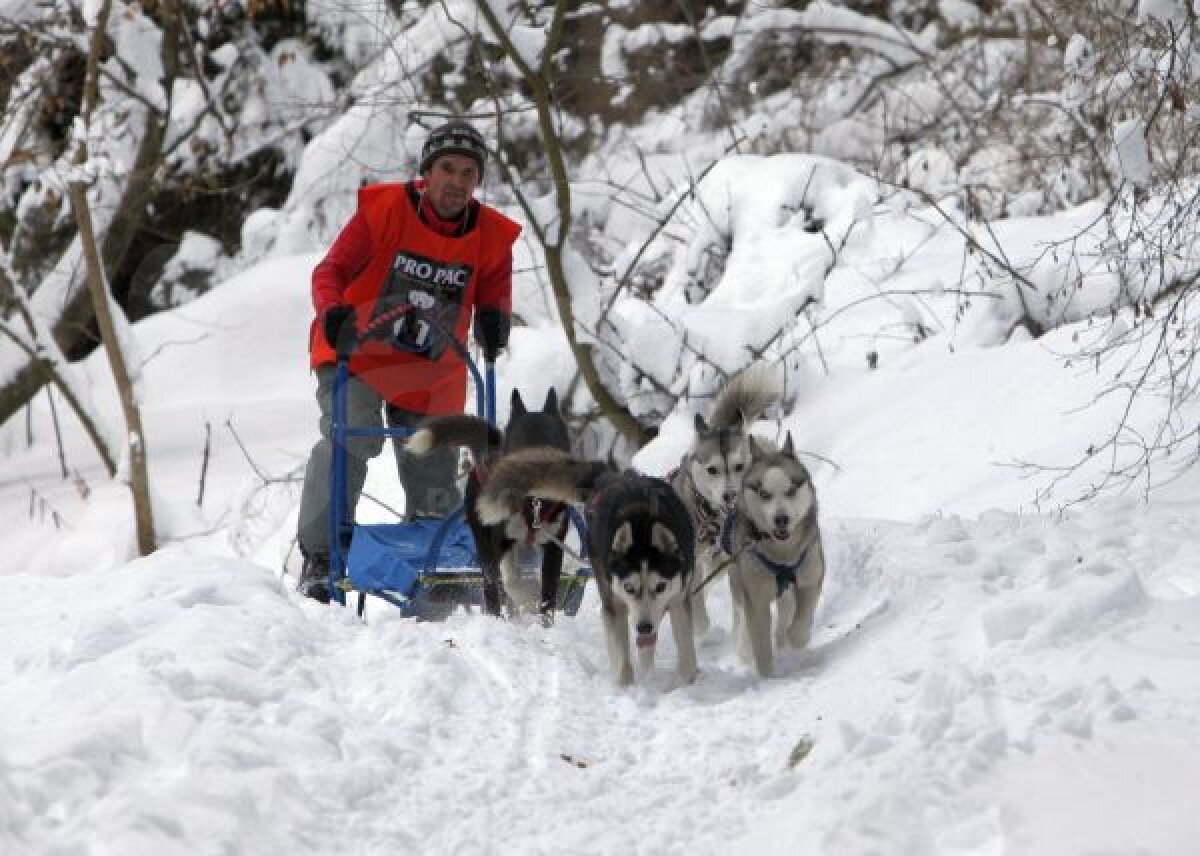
(427, 567)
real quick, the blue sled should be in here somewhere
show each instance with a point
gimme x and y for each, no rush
(429, 567)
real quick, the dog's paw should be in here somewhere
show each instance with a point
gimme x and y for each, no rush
(742, 646)
(800, 642)
(764, 667)
(799, 635)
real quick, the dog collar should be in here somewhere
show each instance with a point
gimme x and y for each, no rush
(784, 572)
(707, 519)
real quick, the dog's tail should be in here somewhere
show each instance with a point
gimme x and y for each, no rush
(541, 471)
(746, 397)
(457, 429)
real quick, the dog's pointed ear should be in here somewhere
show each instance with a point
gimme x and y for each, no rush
(623, 538)
(787, 446)
(701, 425)
(551, 405)
(517, 407)
(664, 539)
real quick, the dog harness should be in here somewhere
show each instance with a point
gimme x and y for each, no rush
(535, 511)
(538, 512)
(784, 572)
(707, 519)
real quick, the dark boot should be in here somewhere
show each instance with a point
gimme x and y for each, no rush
(314, 578)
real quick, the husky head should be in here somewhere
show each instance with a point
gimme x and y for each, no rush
(777, 496)
(646, 567)
(530, 428)
(718, 462)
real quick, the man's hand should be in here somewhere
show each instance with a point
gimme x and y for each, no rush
(491, 331)
(338, 321)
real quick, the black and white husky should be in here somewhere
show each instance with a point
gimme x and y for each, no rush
(640, 541)
(775, 543)
(540, 524)
(709, 477)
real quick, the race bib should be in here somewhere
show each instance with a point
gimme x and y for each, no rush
(421, 302)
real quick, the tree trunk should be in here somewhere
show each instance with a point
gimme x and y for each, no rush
(97, 282)
(139, 481)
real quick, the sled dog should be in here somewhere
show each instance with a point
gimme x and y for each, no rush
(775, 543)
(640, 540)
(539, 524)
(709, 476)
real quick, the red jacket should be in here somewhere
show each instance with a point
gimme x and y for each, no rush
(388, 256)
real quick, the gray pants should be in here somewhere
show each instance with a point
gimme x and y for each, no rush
(428, 480)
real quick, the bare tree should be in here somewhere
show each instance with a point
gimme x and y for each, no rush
(1022, 112)
(39, 347)
(554, 235)
(104, 307)
(122, 210)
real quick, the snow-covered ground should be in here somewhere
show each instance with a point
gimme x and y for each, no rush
(981, 681)
(1009, 685)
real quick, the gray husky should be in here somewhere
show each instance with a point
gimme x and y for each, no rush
(776, 546)
(709, 477)
(640, 542)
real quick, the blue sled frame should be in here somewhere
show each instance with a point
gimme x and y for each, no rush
(440, 569)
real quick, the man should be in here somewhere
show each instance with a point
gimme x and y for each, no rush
(414, 261)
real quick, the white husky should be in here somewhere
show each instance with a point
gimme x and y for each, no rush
(776, 544)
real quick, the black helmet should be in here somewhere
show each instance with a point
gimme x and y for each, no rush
(455, 137)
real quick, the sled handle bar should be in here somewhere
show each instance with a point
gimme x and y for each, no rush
(485, 387)
(339, 525)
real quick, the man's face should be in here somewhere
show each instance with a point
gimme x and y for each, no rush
(449, 183)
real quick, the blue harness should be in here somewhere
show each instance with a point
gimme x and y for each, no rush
(784, 573)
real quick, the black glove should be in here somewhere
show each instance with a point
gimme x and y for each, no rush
(491, 331)
(337, 321)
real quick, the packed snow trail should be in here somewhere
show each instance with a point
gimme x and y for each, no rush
(972, 687)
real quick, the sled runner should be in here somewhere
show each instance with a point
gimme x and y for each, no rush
(426, 567)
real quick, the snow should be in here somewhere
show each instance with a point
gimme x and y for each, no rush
(1131, 152)
(991, 673)
(978, 663)
(1169, 13)
(530, 44)
(138, 46)
(1079, 57)
(22, 104)
(362, 27)
(839, 25)
(959, 14)
(982, 680)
